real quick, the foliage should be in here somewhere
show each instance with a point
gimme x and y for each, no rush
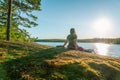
(22, 16)
(16, 35)
(20, 7)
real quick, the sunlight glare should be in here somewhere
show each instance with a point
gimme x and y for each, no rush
(102, 26)
(102, 48)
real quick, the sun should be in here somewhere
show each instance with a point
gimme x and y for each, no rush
(102, 26)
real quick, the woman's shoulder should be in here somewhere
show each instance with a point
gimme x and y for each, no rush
(72, 36)
(69, 35)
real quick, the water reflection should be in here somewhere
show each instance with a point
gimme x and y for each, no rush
(102, 48)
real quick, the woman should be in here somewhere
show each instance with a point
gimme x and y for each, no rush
(72, 41)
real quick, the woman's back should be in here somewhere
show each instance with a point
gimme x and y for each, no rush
(72, 43)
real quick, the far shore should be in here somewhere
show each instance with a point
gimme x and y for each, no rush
(93, 40)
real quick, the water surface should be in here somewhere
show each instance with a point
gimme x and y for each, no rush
(100, 48)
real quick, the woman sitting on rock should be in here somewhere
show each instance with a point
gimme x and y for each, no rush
(72, 41)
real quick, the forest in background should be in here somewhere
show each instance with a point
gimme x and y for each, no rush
(102, 40)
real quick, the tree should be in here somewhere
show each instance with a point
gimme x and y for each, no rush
(9, 20)
(22, 14)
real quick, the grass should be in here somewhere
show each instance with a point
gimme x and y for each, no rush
(2, 73)
(84, 66)
(30, 61)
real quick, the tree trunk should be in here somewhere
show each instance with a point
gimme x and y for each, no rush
(9, 20)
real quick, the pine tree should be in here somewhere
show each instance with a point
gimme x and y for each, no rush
(22, 14)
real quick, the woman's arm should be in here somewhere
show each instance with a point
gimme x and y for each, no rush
(66, 41)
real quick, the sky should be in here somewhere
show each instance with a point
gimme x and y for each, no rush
(90, 18)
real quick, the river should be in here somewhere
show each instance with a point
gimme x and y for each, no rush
(100, 48)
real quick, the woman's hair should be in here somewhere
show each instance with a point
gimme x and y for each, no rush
(72, 31)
